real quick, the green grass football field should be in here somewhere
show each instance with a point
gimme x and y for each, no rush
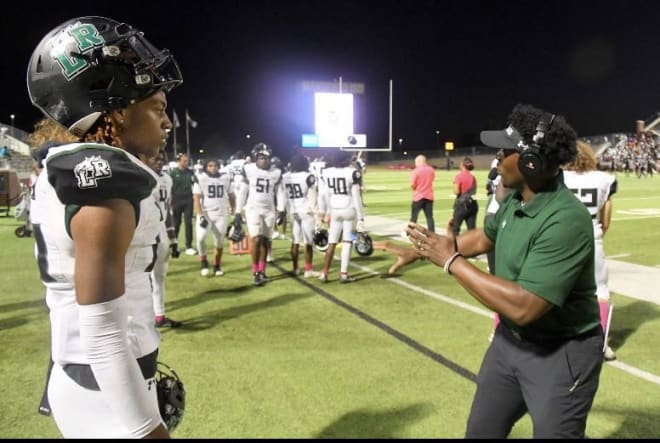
(379, 358)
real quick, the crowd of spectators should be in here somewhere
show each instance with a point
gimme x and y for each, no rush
(632, 153)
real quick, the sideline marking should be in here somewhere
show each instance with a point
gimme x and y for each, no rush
(463, 372)
(615, 363)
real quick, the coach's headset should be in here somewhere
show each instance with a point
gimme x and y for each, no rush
(532, 161)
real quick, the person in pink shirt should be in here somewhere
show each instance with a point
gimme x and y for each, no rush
(465, 207)
(421, 183)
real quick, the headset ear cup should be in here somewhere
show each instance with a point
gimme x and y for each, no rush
(531, 162)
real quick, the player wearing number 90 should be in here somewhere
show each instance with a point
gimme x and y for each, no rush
(213, 198)
(95, 225)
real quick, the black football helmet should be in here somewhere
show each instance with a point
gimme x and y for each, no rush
(236, 233)
(363, 244)
(321, 239)
(171, 396)
(261, 149)
(89, 65)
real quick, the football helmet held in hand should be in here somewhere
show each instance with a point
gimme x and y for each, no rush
(321, 239)
(203, 222)
(236, 233)
(171, 396)
(363, 244)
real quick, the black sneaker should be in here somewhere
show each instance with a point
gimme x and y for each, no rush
(259, 279)
(166, 322)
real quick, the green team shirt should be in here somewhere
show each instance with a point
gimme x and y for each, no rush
(182, 183)
(547, 247)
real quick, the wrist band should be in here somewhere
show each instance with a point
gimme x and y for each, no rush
(451, 260)
(171, 228)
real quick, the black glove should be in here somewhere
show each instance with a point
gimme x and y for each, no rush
(281, 216)
(203, 222)
(238, 221)
(175, 250)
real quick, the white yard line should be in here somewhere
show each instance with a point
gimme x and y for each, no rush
(489, 314)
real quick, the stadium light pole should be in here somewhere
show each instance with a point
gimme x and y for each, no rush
(12, 124)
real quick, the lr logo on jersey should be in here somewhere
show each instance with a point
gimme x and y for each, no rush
(89, 171)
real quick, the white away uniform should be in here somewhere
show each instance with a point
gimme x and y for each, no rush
(301, 197)
(339, 194)
(76, 175)
(162, 194)
(214, 197)
(594, 188)
(262, 185)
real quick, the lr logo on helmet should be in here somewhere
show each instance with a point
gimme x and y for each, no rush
(90, 170)
(86, 38)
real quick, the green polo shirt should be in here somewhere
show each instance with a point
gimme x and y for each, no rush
(182, 183)
(547, 247)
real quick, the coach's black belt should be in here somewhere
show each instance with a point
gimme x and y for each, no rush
(83, 375)
(546, 341)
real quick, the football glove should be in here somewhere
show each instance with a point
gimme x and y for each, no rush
(203, 222)
(174, 250)
(238, 221)
(360, 226)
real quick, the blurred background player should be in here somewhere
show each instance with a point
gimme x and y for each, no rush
(183, 179)
(167, 241)
(595, 188)
(279, 230)
(301, 194)
(257, 195)
(213, 198)
(341, 204)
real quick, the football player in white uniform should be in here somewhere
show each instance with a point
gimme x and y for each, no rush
(95, 230)
(341, 204)
(301, 193)
(259, 186)
(162, 193)
(595, 188)
(213, 199)
(235, 167)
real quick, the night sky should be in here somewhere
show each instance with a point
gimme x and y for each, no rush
(458, 67)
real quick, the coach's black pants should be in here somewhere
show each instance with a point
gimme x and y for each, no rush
(555, 383)
(183, 206)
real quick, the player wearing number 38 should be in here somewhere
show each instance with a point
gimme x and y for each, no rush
(547, 352)
(95, 226)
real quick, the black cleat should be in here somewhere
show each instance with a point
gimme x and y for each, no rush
(166, 322)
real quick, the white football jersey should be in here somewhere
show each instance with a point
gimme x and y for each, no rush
(76, 175)
(235, 168)
(337, 185)
(297, 186)
(262, 186)
(214, 191)
(593, 188)
(163, 193)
